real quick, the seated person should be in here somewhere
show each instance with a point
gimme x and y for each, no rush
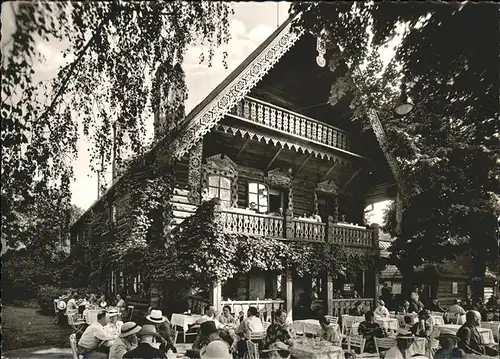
(95, 338)
(329, 332)
(208, 333)
(226, 318)
(401, 350)
(381, 310)
(162, 326)
(369, 330)
(277, 350)
(456, 307)
(278, 331)
(145, 349)
(126, 341)
(251, 324)
(436, 306)
(101, 301)
(407, 322)
(357, 310)
(114, 325)
(316, 216)
(355, 294)
(448, 345)
(403, 309)
(425, 324)
(469, 338)
(72, 308)
(210, 315)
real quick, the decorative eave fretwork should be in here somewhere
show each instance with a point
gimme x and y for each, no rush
(277, 141)
(235, 87)
(328, 187)
(222, 165)
(194, 174)
(278, 178)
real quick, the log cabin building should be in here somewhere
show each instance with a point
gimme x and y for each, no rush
(267, 142)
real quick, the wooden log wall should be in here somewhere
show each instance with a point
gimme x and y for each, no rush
(303, 198)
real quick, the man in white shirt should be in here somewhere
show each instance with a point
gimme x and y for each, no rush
(95, 336)
(114, 326)
(456, 307)
(381, 310)
(251, 324)
(210, 315)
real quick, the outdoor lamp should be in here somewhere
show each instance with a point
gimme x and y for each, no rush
(404, 105)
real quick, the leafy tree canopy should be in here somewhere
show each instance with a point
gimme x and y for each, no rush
(446, 54)
(122, 55)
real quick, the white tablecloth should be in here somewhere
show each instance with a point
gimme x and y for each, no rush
(90, 315)
(493, 326)
(306, 350)
(184, 320)
(487, 334)
(310, 326)
(388, 323)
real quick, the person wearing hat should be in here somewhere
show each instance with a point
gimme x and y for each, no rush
(126, 341)
(145, 349)
(208, 333)
(469, 338)
(114, 325)
(217, 349)
(456, 307)
(425, 324)
(381, 310)
(401, 350)
(95, 338)
(448, 345)
(369, 329)
(162, 326)
(277, 350)
(357, 310)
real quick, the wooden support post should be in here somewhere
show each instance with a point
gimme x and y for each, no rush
(245, 144)
(351, 179)
(330, 171)
(215, 296)
(364, 284)
(329, 295)
(289, 296)
(274, 158)
(376, 290)
(303, 164)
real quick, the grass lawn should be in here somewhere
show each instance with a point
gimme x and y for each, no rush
(26, 327)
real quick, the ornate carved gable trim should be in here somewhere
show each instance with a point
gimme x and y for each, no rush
(327, 187)
(211, 114)
(278, 178)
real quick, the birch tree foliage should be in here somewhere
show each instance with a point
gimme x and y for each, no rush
(122, 57)
(447, 147)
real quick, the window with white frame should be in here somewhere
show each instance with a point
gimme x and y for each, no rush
(220, 187)
(258, 197)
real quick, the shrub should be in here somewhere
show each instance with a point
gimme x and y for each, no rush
(46, 295)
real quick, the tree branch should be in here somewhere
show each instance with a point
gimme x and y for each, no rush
(72, 67)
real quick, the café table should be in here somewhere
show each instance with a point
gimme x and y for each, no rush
(184, 320)
(309, 326)
(486, 334)
(90, 315)
(315, 349)
(493, 326)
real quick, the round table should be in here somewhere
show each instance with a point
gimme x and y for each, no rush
(307, 349)
(309, 326)
(388, 323)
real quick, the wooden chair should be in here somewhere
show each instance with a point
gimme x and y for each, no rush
(257, 336)
(252, 350)
(356, 341)
(331, 319)
(384, 343)
(78, 324)
(175, 333)
(72, 344)
(266, 325)
(195, 328)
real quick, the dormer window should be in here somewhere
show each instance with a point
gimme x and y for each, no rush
(220, 187)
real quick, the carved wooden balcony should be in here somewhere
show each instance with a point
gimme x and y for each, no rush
(351, 236)
(280, 119)
(245, 222)
(308, 231)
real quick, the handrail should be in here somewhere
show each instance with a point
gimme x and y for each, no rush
(256, 214)
(294, 113)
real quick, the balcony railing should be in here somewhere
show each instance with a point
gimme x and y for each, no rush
(339, 307)
(266, 307)
(290, 122)
(308, 231)
(234, 221)
(351, 236)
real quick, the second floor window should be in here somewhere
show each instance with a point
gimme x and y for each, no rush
(220, 187)
(258, 197)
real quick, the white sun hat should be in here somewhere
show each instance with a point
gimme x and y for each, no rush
(156, 316)
(217, 349)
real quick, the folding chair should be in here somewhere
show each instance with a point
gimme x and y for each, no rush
(195, 329)
(356, 341)
(78, 324)
(72, 344)
(384, 343)
(331, 319)
(252, 350)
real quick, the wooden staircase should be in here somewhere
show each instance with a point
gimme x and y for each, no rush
(181, 206)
